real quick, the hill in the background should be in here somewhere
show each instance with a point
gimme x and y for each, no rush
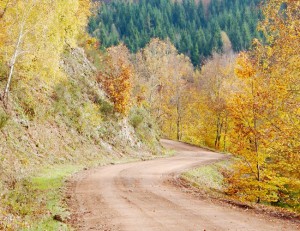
(195, 29)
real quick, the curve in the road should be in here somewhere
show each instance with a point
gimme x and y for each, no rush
(135, 197)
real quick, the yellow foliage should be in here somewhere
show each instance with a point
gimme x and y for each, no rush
(89, 118)
(244, 66)
(266, 135)
(163, 77)
(34, 34)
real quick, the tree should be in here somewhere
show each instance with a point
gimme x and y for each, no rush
(279, 63)
(249, 141)
(4, 5)
(180, 71)
(137, 22)
(215, 87)
(266, 115)
(116, 77)
(163, 75)
(34, 33)
(152, 68)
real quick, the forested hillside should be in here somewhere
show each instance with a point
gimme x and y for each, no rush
(194, 29)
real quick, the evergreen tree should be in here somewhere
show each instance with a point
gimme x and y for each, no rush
(194, 31)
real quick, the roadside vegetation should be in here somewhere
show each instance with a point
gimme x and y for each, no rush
(209, 178)
(210, 182)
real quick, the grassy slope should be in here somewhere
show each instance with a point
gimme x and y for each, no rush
(47, 186)
(209, 178)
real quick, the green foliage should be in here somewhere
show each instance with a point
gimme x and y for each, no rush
(4, 118)
(65, 96)
(20, 202)
(194, 30)
(136, 119)
(84, 116)
(144, 126)
(33, 202)
(106, 108)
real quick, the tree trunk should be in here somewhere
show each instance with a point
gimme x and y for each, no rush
(218, 133)
(178, 123)
(256, 143)
(11, 68)
(225, 132)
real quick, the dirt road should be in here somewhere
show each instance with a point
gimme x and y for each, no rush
(136, 197)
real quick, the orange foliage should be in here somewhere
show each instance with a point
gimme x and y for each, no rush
(116, 78)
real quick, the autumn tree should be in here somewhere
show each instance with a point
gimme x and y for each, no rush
(34, 34)
(116, 77)
(164, 76)
(152, 75)
(177, 88)
(4, 5)
(266, 114)
(215, 85)
(279, 62)
(249, 142)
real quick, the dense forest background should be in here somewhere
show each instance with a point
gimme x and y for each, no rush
(194, 28)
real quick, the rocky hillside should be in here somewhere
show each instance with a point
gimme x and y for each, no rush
(71, 123)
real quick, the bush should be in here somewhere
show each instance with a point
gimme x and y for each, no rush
(3, 71)
(27, 103)
(3, 119)
(146, 130)
(135, 120)
(106, 108)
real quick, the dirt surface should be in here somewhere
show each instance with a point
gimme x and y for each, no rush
(136, 197)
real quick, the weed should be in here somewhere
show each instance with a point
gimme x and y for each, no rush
(49, 183)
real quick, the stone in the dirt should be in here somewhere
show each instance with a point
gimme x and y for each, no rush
(58, 218)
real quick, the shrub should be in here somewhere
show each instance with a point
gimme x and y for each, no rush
(106, 108)
(3, 119)
(135, 120)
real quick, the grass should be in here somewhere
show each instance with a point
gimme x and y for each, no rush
(34, 201)
(37, 199)
(209, 177)
(47, 186)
